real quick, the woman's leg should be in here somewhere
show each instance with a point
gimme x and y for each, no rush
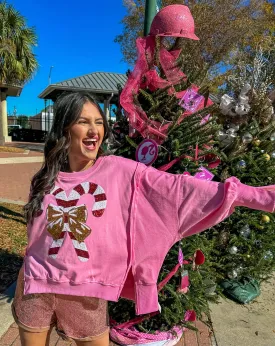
(103, 341)
(33, 338)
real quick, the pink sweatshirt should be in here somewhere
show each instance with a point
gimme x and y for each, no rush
(104, 232)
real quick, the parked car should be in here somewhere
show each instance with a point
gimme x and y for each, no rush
(13, 127)
(28, 135)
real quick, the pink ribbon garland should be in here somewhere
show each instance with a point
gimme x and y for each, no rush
(207, 157)
(145, 75)
(161, 285)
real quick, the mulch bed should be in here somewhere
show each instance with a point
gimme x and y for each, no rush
(13, 241)
(4, 149)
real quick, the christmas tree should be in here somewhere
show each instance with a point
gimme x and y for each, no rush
(231, 133)
(245, 243)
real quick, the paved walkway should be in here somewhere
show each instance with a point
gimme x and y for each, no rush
(15, 177)
(15, 180)
(11, 338)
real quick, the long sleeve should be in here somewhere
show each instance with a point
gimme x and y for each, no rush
(168, 207)
(188, 205)
(203, 204)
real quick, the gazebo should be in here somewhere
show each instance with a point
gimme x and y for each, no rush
(103, 86)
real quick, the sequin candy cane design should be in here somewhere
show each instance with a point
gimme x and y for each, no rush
(70, 218)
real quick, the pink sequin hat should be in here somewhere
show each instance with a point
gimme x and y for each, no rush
(174, 20)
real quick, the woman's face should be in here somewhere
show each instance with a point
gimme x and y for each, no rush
(86, 137)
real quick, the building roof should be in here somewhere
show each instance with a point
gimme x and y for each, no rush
(11, 89)
(100, 84)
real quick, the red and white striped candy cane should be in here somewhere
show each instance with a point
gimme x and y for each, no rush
(66, 204)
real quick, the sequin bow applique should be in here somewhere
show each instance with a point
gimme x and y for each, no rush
(68, 218)
(75, 218)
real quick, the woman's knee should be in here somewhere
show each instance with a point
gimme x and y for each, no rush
(34, 338)
(102, 341)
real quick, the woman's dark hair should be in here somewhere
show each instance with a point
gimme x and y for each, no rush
(67, 110)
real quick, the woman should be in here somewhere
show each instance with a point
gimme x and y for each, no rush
(73, 145)
(99, 227)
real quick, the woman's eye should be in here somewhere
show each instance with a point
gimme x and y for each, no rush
(82, 122)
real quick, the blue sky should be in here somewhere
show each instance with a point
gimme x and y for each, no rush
(76, 37)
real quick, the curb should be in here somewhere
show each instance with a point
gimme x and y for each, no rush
(11, 201)
(12, 160)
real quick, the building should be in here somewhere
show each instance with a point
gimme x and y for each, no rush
(43, 120)
(12, 120)
(103, 86)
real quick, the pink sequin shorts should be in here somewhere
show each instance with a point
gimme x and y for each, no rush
(75, 318)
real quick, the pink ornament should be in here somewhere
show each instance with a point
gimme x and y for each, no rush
(204, 174)
(180, 257)
(186, 174)
(191, 100)
(205, 119)
(147, 152)
(190, 315)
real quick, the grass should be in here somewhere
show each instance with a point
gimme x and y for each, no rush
(13, 241)
(4, 149)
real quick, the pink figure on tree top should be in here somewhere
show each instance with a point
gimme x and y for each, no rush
(174, 20)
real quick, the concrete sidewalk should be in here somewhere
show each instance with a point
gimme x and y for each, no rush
(6, 318)
(246, 325)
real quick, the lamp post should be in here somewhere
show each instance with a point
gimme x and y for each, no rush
(50, 74)
(47, 128)
(150, 12)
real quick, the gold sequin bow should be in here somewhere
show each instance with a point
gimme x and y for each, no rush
(75, 217)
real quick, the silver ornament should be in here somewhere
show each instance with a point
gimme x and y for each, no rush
(226, 138)
(245, 231)
(245, 89)
(273, 155)
(239, 269)
(247, 138)
(233, 250)
(227, 105)
(223, 138)
(235, 127)
(231, 132)
(242, 108)
(232, 274)
(262, 151)
(210, 287)
(268, 255)
(272, 136)
(258, 243)
(242, 164)
(243, 99)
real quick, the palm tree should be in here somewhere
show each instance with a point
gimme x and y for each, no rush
(17, 60)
